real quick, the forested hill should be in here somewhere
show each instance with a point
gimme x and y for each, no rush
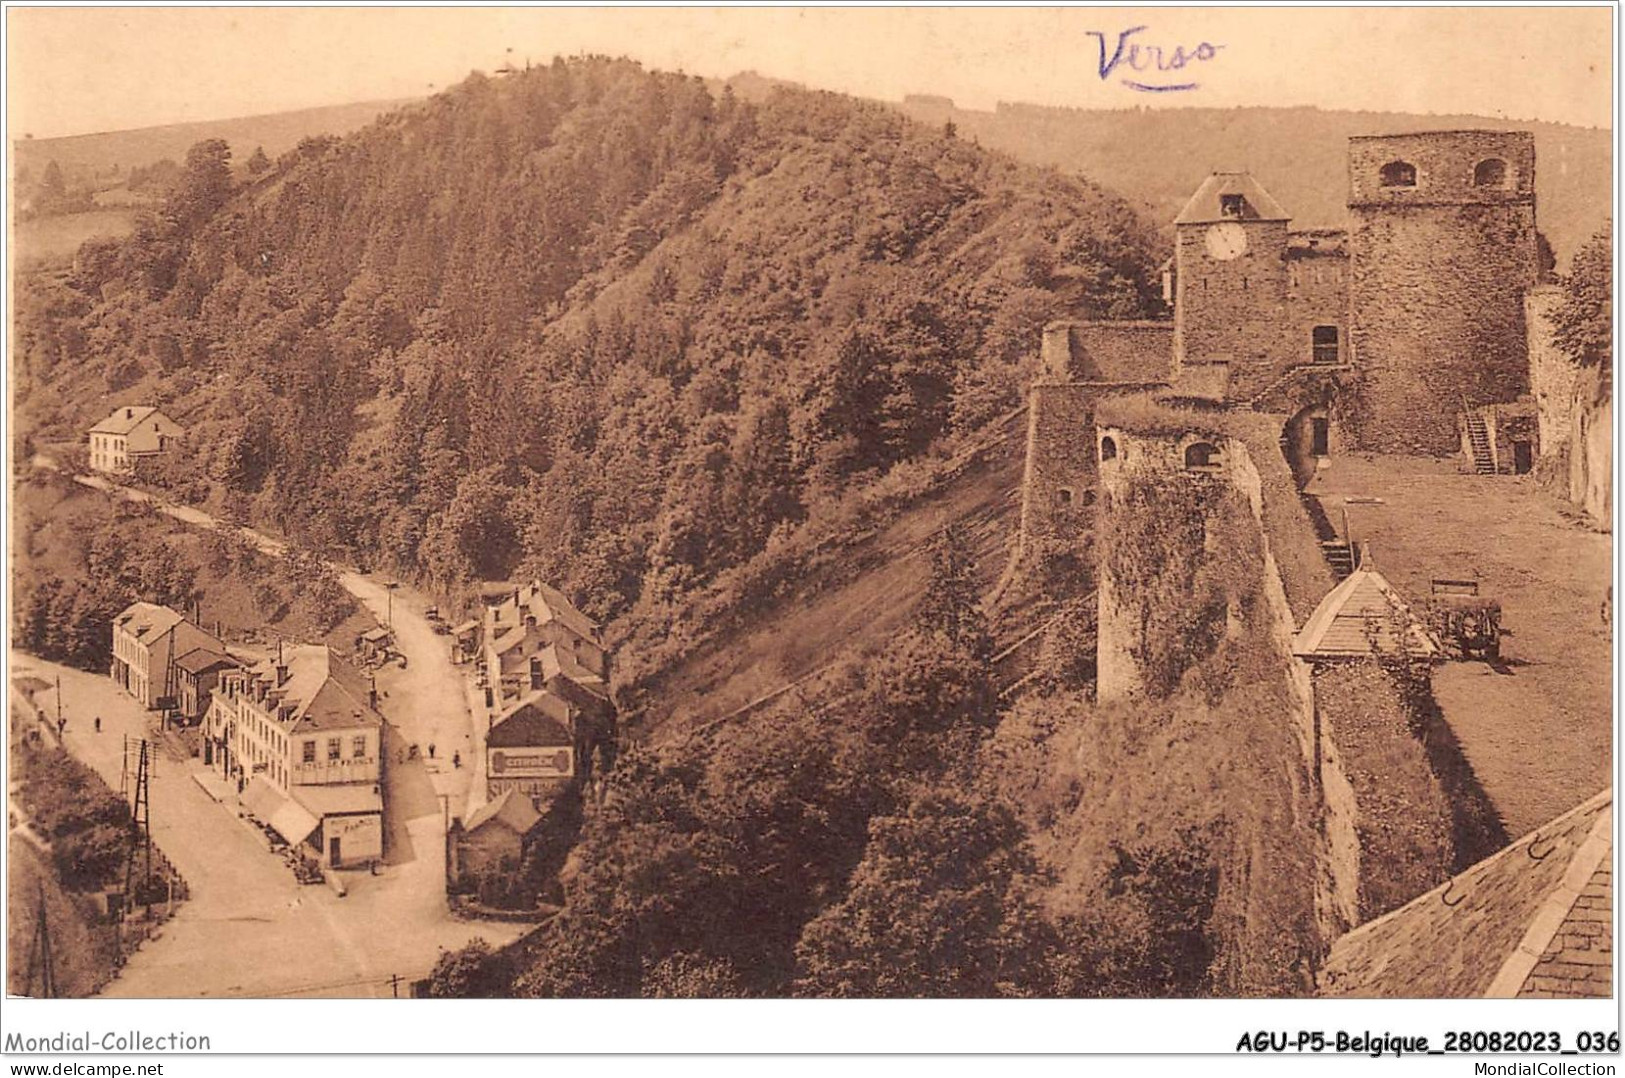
(586, 321)
(1159, 156)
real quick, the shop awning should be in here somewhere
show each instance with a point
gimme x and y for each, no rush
(287, 817)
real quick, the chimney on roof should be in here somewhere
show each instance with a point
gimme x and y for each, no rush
(129, 413)
(281, 674)
(372, 693)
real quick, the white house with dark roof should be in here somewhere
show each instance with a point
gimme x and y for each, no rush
(301, 735)
(129, 434)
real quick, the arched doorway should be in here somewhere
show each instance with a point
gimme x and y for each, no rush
(1306, 440)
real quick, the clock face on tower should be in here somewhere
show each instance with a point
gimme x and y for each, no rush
(1226, 240)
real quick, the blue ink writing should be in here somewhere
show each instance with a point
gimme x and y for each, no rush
(1140, 58)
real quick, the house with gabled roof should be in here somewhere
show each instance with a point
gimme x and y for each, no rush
(1534, 920)
(147, 639)
(524, 621)
(129, 434)
(531, 747)
(494, 834)
(301, 736)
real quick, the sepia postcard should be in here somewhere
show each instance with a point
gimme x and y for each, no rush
(788, 503)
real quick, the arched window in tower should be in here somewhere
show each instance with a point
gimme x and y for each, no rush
(1491, 172)
(1398, 174)
(1200, 456)
(1108, 448)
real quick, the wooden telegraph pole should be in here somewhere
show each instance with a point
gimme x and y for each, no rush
(40, 952)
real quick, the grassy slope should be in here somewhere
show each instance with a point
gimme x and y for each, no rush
(857, 597)
(47, 241)
(81, 950)
(143, 146)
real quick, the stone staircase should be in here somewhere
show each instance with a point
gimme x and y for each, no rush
(1340, 556)
(1478, 434)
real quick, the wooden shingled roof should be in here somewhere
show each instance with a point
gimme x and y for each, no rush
(1360, 615)
(1533, 920)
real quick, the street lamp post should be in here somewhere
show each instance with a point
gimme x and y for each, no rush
(389, 590)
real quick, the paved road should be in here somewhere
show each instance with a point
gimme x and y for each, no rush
(245, 902)
(426, 702)
(249, 928)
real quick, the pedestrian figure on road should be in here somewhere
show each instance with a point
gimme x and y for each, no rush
(61, 725)
(98, 724)
(431, 750)
(456, 759)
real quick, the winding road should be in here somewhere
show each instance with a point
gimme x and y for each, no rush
(249, 929)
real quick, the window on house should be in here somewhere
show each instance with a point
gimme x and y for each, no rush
(1232, 205)
(1398, 174)
(358, 747)
(1063, 496)
(332, 749)
(1108, 448)
(1320, 431)
(1490, 173)
(1201, 455)
(1323, 344)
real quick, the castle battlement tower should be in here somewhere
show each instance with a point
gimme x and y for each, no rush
(1442, 248)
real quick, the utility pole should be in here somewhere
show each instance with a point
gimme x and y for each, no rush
(41, 952)
(141, 824)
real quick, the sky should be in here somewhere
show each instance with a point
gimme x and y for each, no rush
(80, 70)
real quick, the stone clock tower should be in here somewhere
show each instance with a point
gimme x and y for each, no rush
(1231, 281)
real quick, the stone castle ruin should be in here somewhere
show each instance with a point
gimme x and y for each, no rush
(1181, 446)
(1406, 333)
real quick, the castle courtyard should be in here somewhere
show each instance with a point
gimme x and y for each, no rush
(1535, 726)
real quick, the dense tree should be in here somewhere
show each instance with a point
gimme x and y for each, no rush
(51, 184)
(464, 973)
(1585, 318)
(953, 602)
(935, 909)
(258, 162)
(203, 187)
(664, 349)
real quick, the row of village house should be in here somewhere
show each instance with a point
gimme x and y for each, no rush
(299, 734)
(301, 737)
